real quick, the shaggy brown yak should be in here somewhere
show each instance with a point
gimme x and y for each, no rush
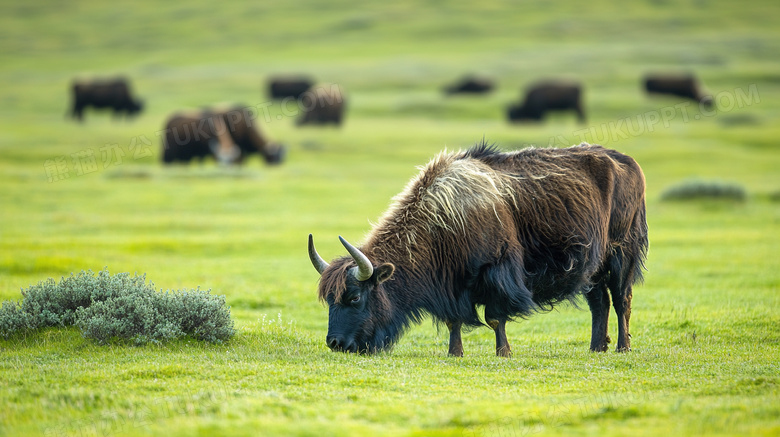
(108, 93)
(544, 97)
(321, 105)
(288, 86)
(682, 85)
(228, 135)
(515, 232)
(470, 85)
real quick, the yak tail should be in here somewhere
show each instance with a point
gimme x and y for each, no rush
(627, 263)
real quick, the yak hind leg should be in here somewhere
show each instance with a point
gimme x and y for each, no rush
(498, 324)
(622, 304)
(622, 276)
(456, 343)
(502, 344)
(598, 301)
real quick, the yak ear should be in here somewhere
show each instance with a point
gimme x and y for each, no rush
(384, 272)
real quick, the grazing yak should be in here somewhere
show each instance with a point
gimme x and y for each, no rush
(111, 93)
(684, 85)
(470, 85)
(543, 97)
(228, 135)
(282, 87)
(514, 232)
(322, 105)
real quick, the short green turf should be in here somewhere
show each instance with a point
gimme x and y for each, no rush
(705, 322)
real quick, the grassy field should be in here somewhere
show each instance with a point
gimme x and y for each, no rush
(706, 344)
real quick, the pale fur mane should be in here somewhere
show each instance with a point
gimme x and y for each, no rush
(448, 194)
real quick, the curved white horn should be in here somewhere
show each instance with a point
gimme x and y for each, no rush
(365, 268)
(315, 258)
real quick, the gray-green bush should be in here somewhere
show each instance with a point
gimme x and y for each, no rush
(121, 307)
(698, 189)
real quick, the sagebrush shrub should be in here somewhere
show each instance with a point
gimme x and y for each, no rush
(136, 317)
(201, 315)
(122, 307)
(13, 319)
(52, 304)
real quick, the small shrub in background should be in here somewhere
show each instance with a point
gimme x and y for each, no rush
(697, 189)
(122, 307)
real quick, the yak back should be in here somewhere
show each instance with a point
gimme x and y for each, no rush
(516, 232)
(579, 212)
(110, 90)
(680, 85)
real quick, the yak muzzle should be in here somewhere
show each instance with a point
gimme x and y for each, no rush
(340, 344)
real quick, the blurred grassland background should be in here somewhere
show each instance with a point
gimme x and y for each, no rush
(704, 325)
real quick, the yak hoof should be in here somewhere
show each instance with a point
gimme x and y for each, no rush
(504, 352)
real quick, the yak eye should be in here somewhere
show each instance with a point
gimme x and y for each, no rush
(355, 299)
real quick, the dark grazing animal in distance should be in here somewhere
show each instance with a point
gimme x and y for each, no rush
(470, 85)
(680, 85)
(322, 105)
(101, 94)
(292, 86)
(229, 135)
(514, 232)
(544, 97)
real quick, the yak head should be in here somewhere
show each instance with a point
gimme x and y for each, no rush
(707, 101)
(135, 107)
(521, 113)
(358, 309)
(274, 153)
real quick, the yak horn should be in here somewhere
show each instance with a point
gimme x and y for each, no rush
(365, 268)
(315, 258)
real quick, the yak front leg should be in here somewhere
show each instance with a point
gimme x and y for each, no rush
(502, 344)
(456, 344)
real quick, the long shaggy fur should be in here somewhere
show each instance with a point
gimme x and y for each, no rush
(514, 232)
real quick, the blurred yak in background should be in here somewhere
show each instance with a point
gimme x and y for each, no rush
(227, 135)
(322, 105)
(470, 85)
(291, 86)
(543, 97)
(107, 93)
(680, 85)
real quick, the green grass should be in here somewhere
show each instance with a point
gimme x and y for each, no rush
(705, 341)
